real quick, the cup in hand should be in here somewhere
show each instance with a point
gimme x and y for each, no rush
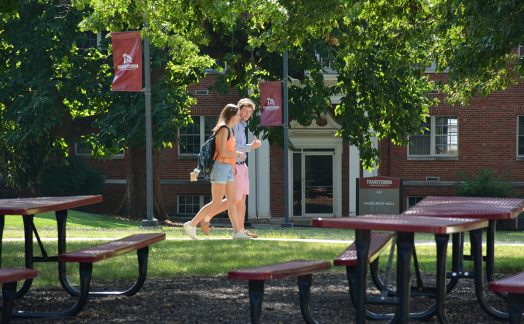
(193, 176)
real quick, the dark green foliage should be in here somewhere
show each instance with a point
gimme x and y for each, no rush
(56, 90)
(476, 40)
(486, 183)
(75, 177)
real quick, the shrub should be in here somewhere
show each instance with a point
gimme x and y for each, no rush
(75, 177)
(486, 183)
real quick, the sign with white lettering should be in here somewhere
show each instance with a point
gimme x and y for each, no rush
(127, 60)
(270, 103)
(378, 195)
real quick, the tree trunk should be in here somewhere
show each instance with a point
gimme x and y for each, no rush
(134, 204)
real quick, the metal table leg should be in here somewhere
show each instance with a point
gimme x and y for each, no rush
(28, 242)
(405, 243)
(61, 220)
(476, 247)
(490, 249)
(441, 289)
(2, 222)
(362, 242)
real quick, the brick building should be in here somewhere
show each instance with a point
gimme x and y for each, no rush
(322, 169)
(488, 133)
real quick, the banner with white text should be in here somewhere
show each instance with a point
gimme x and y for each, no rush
(271, 103)
(127, 60)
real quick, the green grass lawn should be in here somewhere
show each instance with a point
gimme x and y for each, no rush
(213, 257)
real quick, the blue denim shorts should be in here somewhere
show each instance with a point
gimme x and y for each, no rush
(222, 173)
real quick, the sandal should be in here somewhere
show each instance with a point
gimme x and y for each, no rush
(248, 233)
(204, 226)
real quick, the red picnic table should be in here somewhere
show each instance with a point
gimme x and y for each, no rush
(488, 208)
(27, 208)
(405, 228)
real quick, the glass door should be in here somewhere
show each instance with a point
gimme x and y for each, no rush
(313, 183)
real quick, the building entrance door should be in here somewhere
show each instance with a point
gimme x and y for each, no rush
(313, 182)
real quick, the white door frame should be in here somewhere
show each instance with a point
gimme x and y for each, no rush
(304, 154)
(318, 137)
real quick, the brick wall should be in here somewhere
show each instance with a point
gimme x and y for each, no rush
(487, 139)
(276, 185)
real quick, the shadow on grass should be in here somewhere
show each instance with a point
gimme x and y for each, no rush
(77, 218)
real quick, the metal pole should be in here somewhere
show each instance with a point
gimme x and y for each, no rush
(151, 220)
(247, 223)
(286, 148)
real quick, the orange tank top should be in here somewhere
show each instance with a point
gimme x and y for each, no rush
(230, 147)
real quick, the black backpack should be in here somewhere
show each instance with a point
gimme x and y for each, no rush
(207, 154)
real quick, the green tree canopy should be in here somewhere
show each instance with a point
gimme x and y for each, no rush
(378, 48)
(475, 43)
(55, 91)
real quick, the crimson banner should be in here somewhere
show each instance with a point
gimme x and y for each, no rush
(271, 103)
(127, 60)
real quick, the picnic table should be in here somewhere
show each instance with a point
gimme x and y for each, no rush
(488, 208)
(27, 208)
(405, 228)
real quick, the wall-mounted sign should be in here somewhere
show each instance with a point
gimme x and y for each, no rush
(378, 195)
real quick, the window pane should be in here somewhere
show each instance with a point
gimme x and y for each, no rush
(420, 143)
(209, 123)
(413, 200)
(520, 137)
(446, 135)
(190, 137)
(87, 41)
(188, 204)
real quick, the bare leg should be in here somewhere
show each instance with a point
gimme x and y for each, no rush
(231, 206)
(217, 194)
(212, 212)
(241, 210)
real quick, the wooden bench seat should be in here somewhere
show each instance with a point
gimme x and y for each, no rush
(87, 256)
(514, 287)
(9, 278)
(111, 249)
(301, 269)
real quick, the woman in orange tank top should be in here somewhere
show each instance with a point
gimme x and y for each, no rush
(223, 172)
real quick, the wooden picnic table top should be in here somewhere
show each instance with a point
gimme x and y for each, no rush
(37, 205)
(400, 223)
(468, 207)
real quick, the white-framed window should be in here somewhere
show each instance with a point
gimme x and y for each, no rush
(191, 204)
(327, 63)
(439, 139)
(520, 137)
(92, 40)
(193, 136)
(413, 200)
